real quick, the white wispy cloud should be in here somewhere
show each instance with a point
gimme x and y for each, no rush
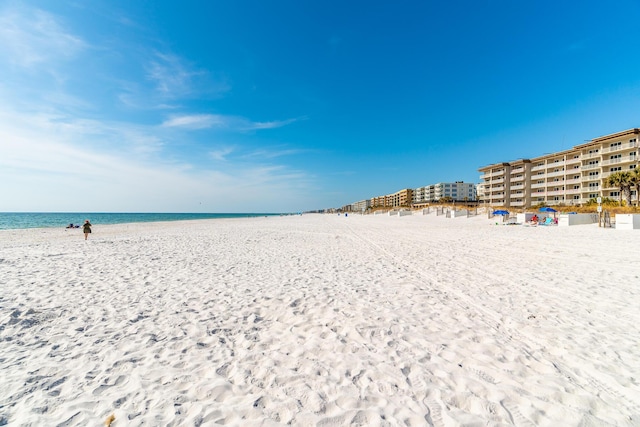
(55, 162)
(272, 154)
(175, 77)
(221, 154)
(269, 125)
(235, 123)
(171, 76)
(30, 37)
(198, 121)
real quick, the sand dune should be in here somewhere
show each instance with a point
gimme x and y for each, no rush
(320, 320)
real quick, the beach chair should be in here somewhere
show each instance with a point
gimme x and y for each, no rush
(547, 221)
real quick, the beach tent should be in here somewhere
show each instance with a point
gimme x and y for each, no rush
(547, 209)
(501, 212)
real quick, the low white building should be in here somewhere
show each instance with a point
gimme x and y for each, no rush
(459, 191)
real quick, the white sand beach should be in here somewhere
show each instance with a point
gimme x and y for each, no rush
(320, 320)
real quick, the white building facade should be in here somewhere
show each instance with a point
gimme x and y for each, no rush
(458, 191)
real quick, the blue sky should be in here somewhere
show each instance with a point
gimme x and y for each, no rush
(285, 106)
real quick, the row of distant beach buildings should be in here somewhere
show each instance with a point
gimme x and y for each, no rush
(567, 178)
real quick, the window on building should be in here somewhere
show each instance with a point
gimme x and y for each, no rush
(594, 173)
(614, 194)
(592, 195)
(616, 144)
(616, 156)
(593, 185)
(632, 166)
(576, 197)
(617, 168)
(576, 187)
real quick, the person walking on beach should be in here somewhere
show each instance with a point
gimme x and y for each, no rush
(86, 229)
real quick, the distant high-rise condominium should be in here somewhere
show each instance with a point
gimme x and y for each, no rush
(571, 177)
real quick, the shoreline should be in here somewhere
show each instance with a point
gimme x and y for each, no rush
(14, 220)
(321, 319)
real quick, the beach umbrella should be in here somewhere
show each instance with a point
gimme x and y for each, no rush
(501, 212)
(547, 209)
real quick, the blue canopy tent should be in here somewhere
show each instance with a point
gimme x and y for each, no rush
(501, 212)
(547, 209)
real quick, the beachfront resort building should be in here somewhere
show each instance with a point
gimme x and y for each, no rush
(570, 177)
(402, 198)
(458, 191)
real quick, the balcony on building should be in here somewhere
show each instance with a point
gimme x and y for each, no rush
(590, 167)
(624, 146)
(572, 161)
(558, 173)
(555, 164)
(625, 159)
(588, 178)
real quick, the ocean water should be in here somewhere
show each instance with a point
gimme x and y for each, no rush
(15, 220)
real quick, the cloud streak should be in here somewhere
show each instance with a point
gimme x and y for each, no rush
(220, 121)
(32, 37)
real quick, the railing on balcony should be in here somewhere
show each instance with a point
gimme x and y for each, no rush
(591, 155)
(536, 185)
(591, 166)
(555, 164)
(498, 188)
(572, 181)
(538, 168)
(623, 146)
(517, 179)
(517, 186)
(558, 173)
(590, 178)
(625, 159)
(572, 161)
